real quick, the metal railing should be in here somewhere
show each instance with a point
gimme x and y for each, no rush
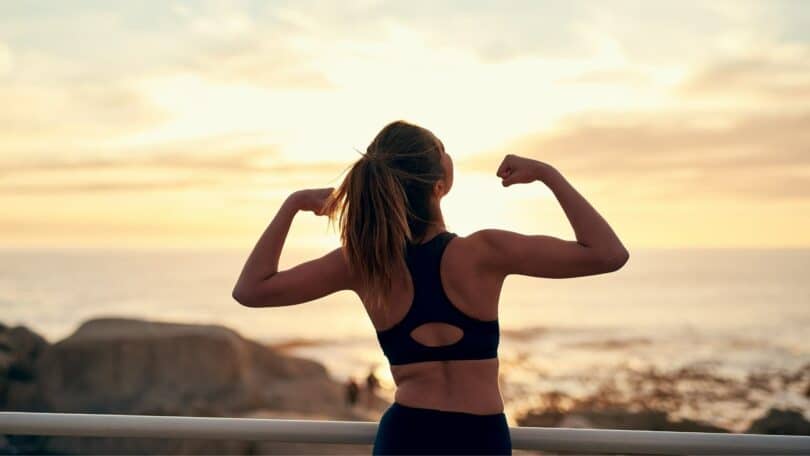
(361, 432)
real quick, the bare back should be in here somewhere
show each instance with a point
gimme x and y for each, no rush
(458, 385)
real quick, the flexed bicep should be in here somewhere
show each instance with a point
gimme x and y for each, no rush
(505, 252)
(302, 283)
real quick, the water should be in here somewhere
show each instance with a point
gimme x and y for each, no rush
(734, 313)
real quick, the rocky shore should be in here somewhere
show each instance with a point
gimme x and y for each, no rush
(127, 366)
(677, 400)
(153, 368)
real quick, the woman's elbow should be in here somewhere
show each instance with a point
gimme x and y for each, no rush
(615, 260)
(262, 295)
(244, 297)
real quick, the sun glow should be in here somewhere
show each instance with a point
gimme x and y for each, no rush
(233, 111)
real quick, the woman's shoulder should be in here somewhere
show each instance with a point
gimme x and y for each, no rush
(484, 248)
(486, 239)
(477, 245)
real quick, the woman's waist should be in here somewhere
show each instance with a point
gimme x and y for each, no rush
(465, 385)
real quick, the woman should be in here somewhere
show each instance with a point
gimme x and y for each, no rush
(431, 295)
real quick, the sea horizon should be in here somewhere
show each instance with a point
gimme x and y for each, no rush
(728, 314)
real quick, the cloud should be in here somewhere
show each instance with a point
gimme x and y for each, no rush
(673, 32)
(102, 42)
(241, 160)
(784, 79)
(616, 76)
(259, 61)
(36, 116)
(229, 45)
(198, 154)
(105, 187)
(676, 157)
(203, 163)
(522, 27)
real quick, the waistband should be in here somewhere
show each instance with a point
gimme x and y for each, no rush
(430, 411)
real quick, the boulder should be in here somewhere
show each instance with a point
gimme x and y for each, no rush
(542, 418)
(133, 366)
(20, 349)
(782, 422)
(127, 366)
(649, 420)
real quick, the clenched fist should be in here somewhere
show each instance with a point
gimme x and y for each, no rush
(519, 170)
(313, 199)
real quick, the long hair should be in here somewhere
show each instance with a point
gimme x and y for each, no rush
(384, 203)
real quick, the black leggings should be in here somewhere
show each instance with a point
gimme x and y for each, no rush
(414, 430)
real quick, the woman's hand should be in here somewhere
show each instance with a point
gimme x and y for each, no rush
(520, 170)
(312, 200)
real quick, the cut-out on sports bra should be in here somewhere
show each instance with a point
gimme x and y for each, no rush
(431, 305)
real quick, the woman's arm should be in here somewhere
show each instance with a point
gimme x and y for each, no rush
(261, 284)
(263, 260)
(590, 229)
(597, 249)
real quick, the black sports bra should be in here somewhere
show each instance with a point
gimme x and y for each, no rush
(431, 305)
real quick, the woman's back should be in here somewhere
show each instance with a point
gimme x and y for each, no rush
(440, 329)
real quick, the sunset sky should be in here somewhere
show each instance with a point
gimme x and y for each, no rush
(159, 123)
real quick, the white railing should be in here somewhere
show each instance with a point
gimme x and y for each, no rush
(360, 432)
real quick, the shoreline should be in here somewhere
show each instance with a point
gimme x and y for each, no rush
(124, 365)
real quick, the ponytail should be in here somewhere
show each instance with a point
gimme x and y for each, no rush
(384, 203)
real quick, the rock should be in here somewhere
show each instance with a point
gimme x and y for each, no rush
(575, 421)
(143, 367)
(782, 422)
(5, 362)
(19, 350)
(615, 418)
(650, 420)
(22, 396)
(23, 344)
(129, 366)
(544, 418)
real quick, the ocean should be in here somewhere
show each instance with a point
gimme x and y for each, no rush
(726, 330)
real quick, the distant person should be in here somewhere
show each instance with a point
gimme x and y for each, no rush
(431, 295)
(352, 392)
(371, 387)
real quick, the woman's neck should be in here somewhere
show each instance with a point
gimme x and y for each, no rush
(436, 227)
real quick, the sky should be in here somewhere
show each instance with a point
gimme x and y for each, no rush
(186, 124)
